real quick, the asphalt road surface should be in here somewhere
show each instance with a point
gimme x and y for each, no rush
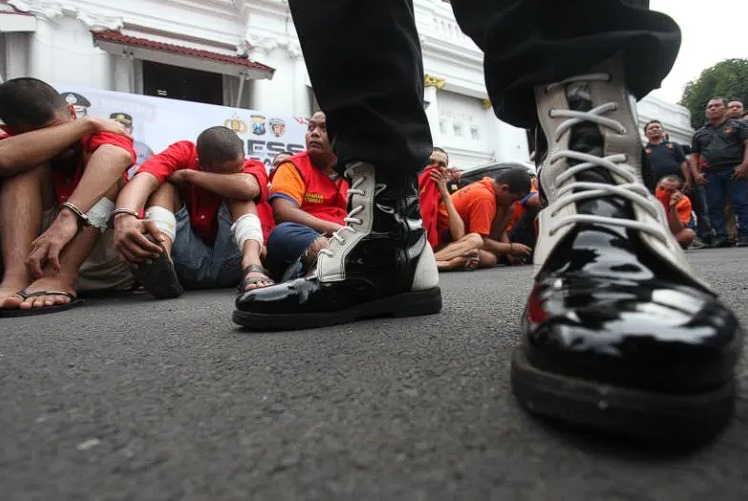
(135, 399)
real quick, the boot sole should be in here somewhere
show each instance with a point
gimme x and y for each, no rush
(409, 304)
(674, 419)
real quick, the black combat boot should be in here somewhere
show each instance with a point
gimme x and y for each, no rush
(379, 264)
(618, 334)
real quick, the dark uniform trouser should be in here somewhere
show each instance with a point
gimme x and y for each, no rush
(364, 61)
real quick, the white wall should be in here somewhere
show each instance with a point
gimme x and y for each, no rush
(61, 50)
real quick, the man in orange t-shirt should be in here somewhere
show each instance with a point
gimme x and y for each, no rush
(59, 176)
(486, 208)
(206, 214)
(677, 208)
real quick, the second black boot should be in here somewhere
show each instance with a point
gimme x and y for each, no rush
(618, 335)
(379, 264)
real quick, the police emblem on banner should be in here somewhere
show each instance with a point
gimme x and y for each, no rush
(237, 125)
(277, 126)
(258, 125)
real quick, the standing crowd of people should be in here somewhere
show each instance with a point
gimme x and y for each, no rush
(703, 187)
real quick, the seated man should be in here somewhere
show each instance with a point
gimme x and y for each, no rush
(278, 159)
(59, 177)
(677, 208)
(462, 252)
(522, 226)
(309, 203)
(485, 208)
(202, 202)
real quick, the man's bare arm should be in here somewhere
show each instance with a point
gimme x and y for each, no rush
(685, 170)
(26, 151)
(136, 192)
(105, 167)
(492, 245)
(456, 224)
(286, 211)
(232, 186)
(695, 164)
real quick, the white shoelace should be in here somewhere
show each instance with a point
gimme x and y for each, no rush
(351, 221)
(576, 191)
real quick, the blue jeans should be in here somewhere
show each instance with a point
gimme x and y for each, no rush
(202, 266)
(720, 184)
(286, 244)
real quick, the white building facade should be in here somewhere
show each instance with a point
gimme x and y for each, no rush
(245, 54)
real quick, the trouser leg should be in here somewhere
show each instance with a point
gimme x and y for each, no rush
(531, 42)
(364, 62)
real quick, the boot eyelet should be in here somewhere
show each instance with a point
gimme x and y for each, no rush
(623, 131)
(551, 111)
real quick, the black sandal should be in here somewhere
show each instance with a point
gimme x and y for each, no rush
(254, 268)
(159, 278)
(24, 294)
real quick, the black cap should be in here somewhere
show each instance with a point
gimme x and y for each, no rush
(122, 118)
(75, 99)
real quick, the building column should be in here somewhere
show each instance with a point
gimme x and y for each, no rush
(431, 103)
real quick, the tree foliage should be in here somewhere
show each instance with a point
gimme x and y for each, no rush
(728, 79)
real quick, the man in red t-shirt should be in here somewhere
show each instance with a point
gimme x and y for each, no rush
(59, 177)
(309, 203)
(206, 216)
(677, 209)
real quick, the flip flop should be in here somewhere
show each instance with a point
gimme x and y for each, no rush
(253, 268)
(17, 312)
(159, 278)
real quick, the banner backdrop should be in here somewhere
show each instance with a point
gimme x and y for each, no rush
(158, 122)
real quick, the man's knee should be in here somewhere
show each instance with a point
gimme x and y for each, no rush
(166, 196)
(474, 239)
(239, 208)
(685, 237)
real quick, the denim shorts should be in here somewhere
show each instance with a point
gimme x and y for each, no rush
(286, 243)
(202, 266)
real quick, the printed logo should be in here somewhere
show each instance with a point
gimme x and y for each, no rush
(258, 125)
(237, 125)
(277, 126)
(313, 198)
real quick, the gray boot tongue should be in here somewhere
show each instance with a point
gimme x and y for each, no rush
(586, 138)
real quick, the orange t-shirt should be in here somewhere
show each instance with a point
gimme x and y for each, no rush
(476, 205)
(684, 206)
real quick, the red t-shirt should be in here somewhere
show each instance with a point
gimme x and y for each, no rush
(202, 204)
(68, 167)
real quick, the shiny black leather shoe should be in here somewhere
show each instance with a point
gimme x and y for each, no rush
(379, 264)
(618, 335)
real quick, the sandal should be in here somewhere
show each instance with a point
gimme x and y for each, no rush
(254, 268)
(17, 312)
(159, 278)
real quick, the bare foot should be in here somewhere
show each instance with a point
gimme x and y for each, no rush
(8, 289)
(51, 283)
(456, 263)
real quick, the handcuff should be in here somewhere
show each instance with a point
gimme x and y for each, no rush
(82, 219)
